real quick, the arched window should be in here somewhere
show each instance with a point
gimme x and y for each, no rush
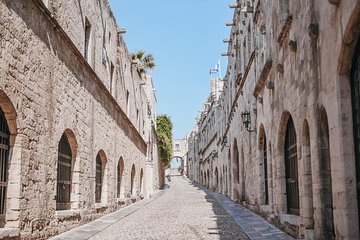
(64, 171)
(291, 169)
(132, 178)
(4, 158)
(120, 172)
(98, 179)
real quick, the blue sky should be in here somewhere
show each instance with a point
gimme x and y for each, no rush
(185, 38)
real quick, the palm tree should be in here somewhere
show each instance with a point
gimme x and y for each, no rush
(144, 62)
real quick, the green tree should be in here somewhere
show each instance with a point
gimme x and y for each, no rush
(164, 129)
(144, 62)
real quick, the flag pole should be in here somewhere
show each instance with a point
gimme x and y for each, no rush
(219, 68)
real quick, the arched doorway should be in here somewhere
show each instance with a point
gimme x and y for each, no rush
(355, 99)
(216, 179)
(236, 175)
(291, 169)
(99, 177)
(120, 173)
(264, 163)
(141, 179)
(133, 171)
(325, 175)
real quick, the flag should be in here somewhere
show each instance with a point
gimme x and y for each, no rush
(216, 69)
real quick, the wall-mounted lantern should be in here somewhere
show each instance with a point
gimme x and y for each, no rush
(247, 121)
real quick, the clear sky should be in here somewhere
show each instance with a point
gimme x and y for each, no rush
(185, 38)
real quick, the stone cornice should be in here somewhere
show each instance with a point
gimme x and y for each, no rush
(209, 143)
(240, 82)
(126, 125)
(285, 30)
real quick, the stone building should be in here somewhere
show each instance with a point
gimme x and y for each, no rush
(285, 139)
(77, 132)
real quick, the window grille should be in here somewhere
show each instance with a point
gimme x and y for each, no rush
(63, 174)
(4, 155)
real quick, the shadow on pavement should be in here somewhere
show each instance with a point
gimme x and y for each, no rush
(227, 228)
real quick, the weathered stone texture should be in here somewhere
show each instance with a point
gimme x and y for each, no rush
(309, 82)
(47, 89)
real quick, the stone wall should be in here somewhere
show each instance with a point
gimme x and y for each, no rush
(291, 60)
(47, 89)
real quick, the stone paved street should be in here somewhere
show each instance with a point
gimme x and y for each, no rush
(183, 212)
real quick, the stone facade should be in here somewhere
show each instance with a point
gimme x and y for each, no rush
(65, 72)
(280, 137)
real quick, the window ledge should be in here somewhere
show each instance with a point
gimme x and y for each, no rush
(121, 200)
(9, 233)
(66, 213)
(100, 205)
(291, 219)
(266, 208)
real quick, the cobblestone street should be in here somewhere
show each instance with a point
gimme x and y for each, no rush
(183, 212)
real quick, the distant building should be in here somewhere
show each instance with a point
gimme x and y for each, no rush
(282, 138)
(77, 124)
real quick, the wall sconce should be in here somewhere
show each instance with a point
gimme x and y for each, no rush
(247, 121)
